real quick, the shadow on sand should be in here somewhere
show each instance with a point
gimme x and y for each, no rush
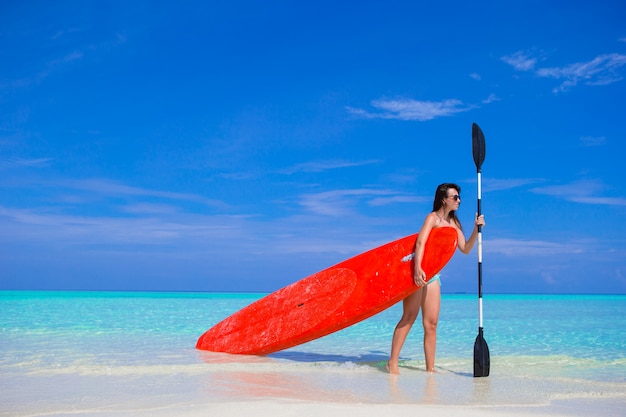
(376, 360)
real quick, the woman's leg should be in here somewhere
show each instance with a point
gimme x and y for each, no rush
(411, 308)
(431, 304)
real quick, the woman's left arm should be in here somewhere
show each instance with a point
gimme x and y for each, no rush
(465, 246)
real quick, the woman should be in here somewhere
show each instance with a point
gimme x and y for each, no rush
(428, 297)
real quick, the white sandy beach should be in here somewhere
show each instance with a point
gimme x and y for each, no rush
(287, 408)
(316, 409)
(269, 387)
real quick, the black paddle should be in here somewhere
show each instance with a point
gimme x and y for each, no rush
(481, 350)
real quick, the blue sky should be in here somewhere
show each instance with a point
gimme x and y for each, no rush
(241, 146)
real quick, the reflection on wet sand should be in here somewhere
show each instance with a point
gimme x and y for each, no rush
(251, 377)
(257, 377)
(429, 394)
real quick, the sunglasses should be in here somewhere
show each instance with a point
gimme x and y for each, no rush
(455, 197)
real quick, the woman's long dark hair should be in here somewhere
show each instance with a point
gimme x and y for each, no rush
(440, 195)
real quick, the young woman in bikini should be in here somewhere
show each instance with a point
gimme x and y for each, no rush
(428, 297)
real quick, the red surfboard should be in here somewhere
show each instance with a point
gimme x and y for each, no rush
(330, 300)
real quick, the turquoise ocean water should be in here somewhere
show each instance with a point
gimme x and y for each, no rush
(107, 349)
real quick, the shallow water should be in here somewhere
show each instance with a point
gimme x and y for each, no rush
(79, 351)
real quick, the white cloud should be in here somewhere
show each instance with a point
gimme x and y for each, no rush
(602, 70)
(409, 109)
(583, 191)
(110, 188)
(72, 56)
(383, 201)
(604, 201)
(490, 185)
(575, 189)
(592, 140)
(521, 61)
(63, 61)
(549, 278)
(523, 248)
(39, 226)
(51, 67)
(149, 208)
(320, 166)
(23, 162)
(490, 99)
(338, 202)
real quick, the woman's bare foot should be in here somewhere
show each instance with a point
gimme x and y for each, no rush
(392, 368)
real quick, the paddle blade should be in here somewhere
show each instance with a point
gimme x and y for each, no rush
(478, 146)
(481, 356)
